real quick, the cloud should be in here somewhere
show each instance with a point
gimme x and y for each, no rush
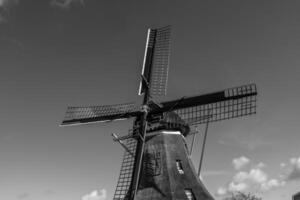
(273, 183)
(65, 4)
(256, 176)
(233, 187)
(294, 173)
(261, 165)
(254, 180)
(282, 165)
(95, 195)
(221, 191)
(239, 163)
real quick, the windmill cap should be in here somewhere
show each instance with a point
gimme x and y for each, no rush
(172, 121)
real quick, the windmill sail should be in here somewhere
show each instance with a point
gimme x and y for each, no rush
(125, 177)
(226, 104)
(90, 114)
(156, 61)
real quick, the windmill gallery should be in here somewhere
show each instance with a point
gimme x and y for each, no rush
(156, 163)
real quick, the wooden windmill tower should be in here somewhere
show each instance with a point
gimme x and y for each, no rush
(156, 163)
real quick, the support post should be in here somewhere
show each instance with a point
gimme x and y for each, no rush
(193, 140)
(203, 146)
(146, 75)
(139, 155)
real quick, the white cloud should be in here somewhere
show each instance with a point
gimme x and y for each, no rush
(294, 173)
(221, 191)
(254, 180)
(95, 195)
(271, 184)
(295, 162)
(65, 3)
(258, 176)
(261, 165)
(282, 165)
(257, 180)
(240, 176)
(234, 187)
(239, 163)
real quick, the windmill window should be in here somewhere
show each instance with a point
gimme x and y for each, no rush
(189, 194)
(179, 167)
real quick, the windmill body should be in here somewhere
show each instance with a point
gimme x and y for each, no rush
(167, 171)
(156, 164)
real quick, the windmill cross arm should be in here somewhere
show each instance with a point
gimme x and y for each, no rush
(226, 104)
(228, 94)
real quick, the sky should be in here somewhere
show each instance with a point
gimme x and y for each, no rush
(58, 53)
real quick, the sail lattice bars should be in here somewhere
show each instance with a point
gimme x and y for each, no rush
(105, 113)
(226, 104)
(126, 171)
(156, 61)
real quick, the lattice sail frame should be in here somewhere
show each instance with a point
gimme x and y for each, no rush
(105, 113)
(126, 171)
(156, 61)
(160, 63)
(227, 104)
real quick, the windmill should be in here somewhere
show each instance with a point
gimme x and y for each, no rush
(156, 163)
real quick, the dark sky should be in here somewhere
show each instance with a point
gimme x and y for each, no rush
(54, 54)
